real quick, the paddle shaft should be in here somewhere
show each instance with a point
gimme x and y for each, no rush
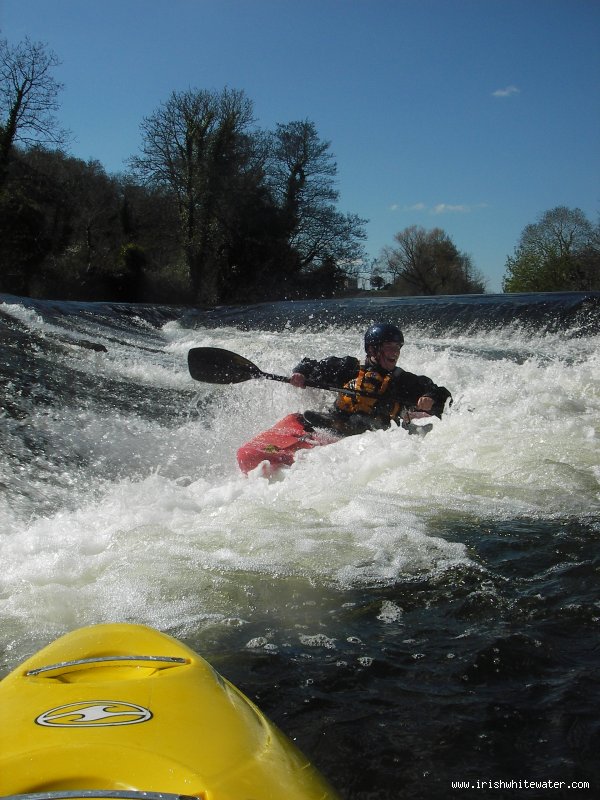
(312, 385)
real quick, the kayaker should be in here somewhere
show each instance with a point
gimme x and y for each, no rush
(394, 395)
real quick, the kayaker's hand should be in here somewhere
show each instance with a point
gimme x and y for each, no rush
(298, 380)
(425, 403)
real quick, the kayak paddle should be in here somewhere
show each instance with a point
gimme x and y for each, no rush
(215, 365)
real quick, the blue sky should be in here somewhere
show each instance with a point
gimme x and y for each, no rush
(475, 116)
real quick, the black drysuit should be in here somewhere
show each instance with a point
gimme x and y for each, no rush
(400, 396)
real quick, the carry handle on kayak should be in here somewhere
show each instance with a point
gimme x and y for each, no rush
(216, 365)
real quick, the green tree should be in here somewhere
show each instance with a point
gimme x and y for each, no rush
(62, 226)
(32, 226)
(150, 225)
(85, 206)
(429, 263)
(560, 252)
(28, 98)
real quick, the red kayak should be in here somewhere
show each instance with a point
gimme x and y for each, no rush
(277, 447)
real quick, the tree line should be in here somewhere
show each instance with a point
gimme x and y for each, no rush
(559, 252)
(212, 210)
(216, 210)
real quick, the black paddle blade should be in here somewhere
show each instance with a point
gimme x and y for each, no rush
(215, 365)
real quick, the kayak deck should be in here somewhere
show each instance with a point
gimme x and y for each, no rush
(118, 709)
(277, 447)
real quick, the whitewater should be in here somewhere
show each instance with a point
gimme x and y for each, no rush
(433, 595)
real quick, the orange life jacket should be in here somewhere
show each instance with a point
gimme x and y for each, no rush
(368, 380)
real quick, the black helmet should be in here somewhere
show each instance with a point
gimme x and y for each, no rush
(382, 332)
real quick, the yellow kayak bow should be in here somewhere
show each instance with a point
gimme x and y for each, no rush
(117, 710)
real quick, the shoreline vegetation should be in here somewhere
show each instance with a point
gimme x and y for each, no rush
(214, 209)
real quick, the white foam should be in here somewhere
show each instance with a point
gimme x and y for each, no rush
(175, 535)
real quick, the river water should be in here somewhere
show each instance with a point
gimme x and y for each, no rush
(412, 611)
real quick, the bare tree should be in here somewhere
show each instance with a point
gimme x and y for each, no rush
(301, 174)
(196, 144)
(429, 263)
(28, 98)
(301, 168)
(559, 233)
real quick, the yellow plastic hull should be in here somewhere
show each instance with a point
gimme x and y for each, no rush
(124, 707)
